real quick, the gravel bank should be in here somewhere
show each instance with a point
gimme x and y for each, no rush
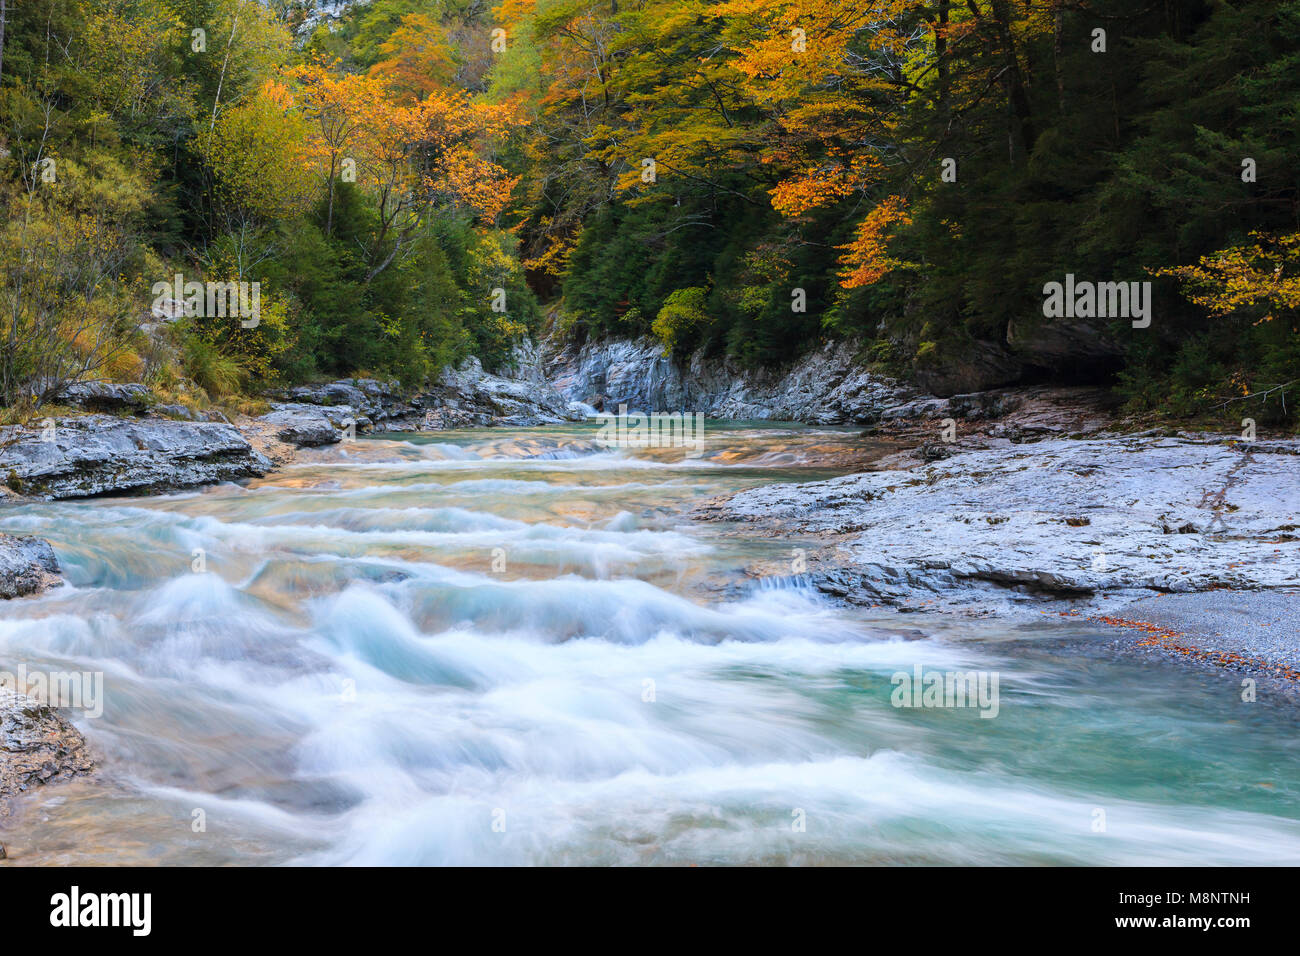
(1251, 632)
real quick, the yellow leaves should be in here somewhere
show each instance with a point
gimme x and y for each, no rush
(1242, 277)
(258, 152)
(554, 259)
(866, 259)
(126, 49)
(681, 319)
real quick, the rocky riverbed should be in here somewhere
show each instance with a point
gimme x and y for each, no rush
(463, 397)
(1009, 503)
(124, 441)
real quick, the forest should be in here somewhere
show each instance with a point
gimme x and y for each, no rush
(410, 182)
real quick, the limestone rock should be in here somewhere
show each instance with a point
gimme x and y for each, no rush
(27, 566)
(99, 454)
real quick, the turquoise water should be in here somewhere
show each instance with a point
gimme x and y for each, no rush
(513, 647)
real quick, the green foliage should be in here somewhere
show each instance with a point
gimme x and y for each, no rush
(683, 319)
(218, 374)
(1111, 165)
(177, 160)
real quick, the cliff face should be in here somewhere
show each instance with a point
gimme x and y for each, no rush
(827, 386)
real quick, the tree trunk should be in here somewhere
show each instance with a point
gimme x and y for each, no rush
(2, 38)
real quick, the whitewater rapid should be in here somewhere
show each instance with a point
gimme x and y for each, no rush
(516, 648)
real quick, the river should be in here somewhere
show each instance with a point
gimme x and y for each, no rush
(513, 647)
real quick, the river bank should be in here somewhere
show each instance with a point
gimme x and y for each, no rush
(1099, 526)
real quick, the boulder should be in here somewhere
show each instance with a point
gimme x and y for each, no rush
(309, 425)
(106, 396)
(463, 397)
(37, 745)
(984, 404)
(526, 401)
(27, 566)
(176, 411)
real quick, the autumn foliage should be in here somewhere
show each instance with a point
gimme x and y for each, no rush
(744, 176)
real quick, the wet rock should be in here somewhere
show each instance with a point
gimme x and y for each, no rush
(27, 566)
(1058, 519)
(445, 417)
(38, 746)
(99, 454)
(464, 397)
(524, 401)
(308, 426)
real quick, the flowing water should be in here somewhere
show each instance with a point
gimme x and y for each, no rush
(510, 647)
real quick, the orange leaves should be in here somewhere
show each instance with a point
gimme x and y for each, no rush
(823, 184)
(866, 259)
(1166, 638)
(825, 72)
(277, 92)
(454, 131)
(511, 12)
(816, 188)
(466, 177)
(407, 151)
(417, 56)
